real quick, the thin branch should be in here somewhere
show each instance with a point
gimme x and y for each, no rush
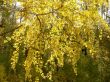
(4, 33)
(40, 24)
(47, 12)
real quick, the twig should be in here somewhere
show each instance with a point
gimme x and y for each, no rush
(40, 24)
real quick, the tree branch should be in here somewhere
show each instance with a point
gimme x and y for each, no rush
(47, 12)
(4, 33)
(40, 24)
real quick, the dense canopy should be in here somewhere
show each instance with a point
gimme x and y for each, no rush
(54, 41)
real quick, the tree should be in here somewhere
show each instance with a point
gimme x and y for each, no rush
(51, 37)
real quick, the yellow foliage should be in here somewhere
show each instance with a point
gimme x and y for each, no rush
(59, 26)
